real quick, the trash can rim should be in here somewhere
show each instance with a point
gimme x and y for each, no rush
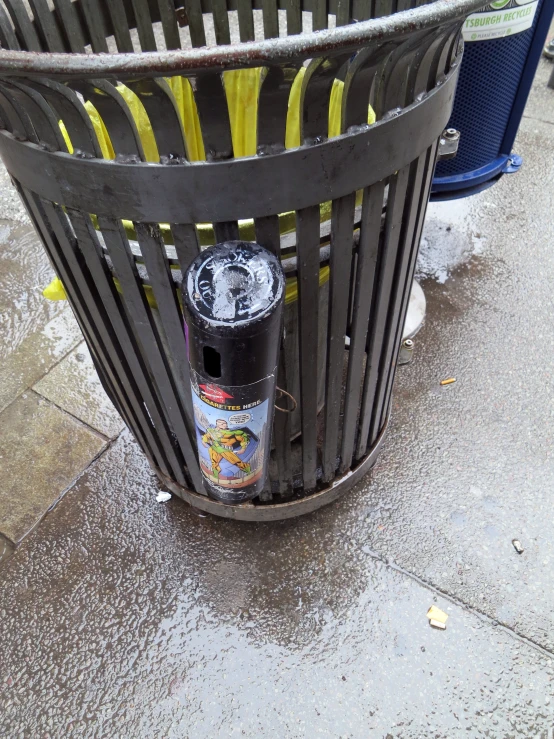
(237, 55)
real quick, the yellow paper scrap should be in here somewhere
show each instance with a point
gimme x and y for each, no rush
(436, 614)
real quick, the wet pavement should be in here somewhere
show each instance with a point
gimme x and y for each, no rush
(123, 617)
(55, 418)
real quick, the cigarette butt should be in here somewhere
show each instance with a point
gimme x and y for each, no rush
(517, 546)
(437, 624)
(448, 381)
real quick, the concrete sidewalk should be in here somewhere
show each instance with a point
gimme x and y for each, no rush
(54, 415)
(122, 617)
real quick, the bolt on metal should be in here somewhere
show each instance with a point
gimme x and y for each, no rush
(406, 352)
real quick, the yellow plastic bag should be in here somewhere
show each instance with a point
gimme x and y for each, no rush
(292, 139)
(242, 89)
(55, 290)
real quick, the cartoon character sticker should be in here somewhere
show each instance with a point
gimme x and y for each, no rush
(231, 443)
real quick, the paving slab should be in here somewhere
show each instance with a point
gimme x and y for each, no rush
(73, 385)
(42, 451)
(123, 617)
(37, 353)
(469, 467)
(35, 333)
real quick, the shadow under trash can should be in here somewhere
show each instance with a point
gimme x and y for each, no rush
(318, 142)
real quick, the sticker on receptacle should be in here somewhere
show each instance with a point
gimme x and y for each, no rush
(499, 19)
(232, 427)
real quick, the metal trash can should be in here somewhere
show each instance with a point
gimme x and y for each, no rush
(121, 225)
(504, 42)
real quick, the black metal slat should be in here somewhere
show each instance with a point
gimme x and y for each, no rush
(24, 29)
(169, 24)
(165, 293)
(71, 24)
(246, 20)
(430, 157)
(294, 17)
(138, 372)
(100, 341)
(368, 250)
(47, 219)
(421, 81)
(387, 262)
(399, 286)
(307, 230)
(390, 86)
(145, 328)
(213, 113)
(196, 22)
(315, 97)
(144, 25)
(187, 246)
(342, 224)
(271, 18)
(117, 117)
(68, 108)
(47, 22)
(306, 175)
(162, 110)
(343, 12)
(226, 231)
(361, 10)
(221, 22)
(96, 27)
(360, 77)
(273, 105)
(382, 8)
(267, 234)
(44, 121)
(120, 24)
(320, 14)
(451, 51)
(16, 116)
(282, 431)
(421, 60)
(8, 39)
(455, 50)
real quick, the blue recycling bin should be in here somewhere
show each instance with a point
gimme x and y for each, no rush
(503, 45)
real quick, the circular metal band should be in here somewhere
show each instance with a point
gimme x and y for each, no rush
(230, 190)
(232, 56)
(279, 511)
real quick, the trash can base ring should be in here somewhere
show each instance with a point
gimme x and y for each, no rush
(278, 511)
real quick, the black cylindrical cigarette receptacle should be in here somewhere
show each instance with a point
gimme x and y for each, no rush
(233, 297)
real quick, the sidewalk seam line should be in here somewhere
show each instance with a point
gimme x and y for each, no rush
(539, 120)
(63, 493)
(94, 431)
(462, 604)
(31, 387)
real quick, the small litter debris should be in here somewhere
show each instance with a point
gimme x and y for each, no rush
(163, 497)
(517, 546)
(437, 624)
(448, 381)
(437, 618)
